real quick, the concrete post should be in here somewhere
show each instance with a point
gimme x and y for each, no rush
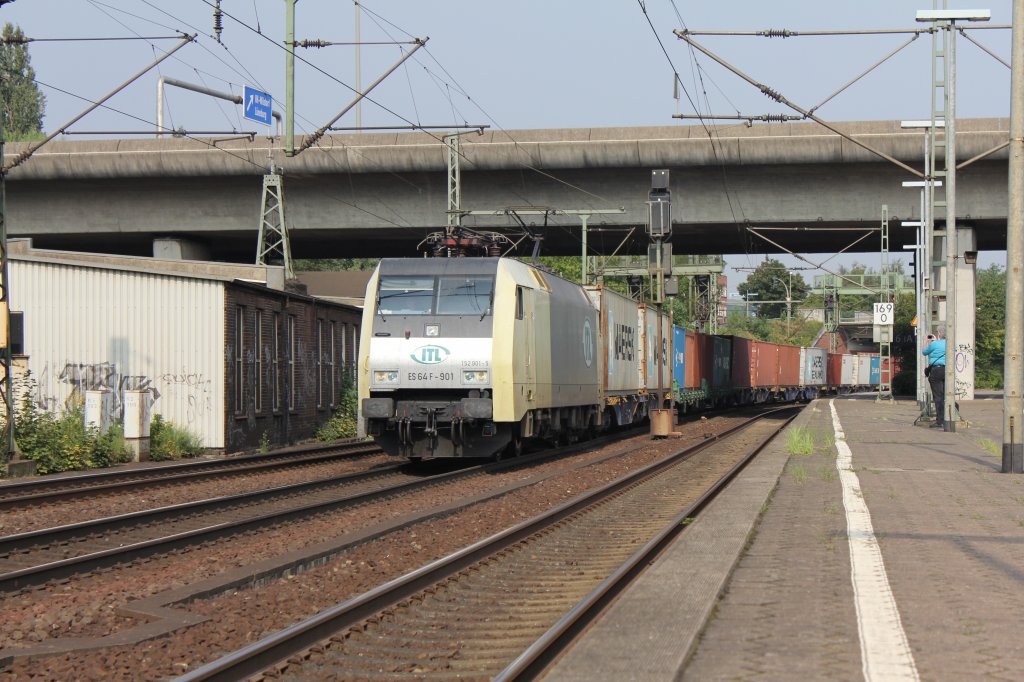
(963, 354)
(289, 77)
(136, 424)
(952, 415)
(1013, 360)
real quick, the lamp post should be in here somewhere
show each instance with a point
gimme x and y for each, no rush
(789, 299)
(746, 300)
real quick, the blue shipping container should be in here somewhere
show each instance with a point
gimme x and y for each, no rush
(678, 356)
(876, 370)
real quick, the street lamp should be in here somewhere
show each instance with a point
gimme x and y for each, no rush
(789, 298)
(746, 299)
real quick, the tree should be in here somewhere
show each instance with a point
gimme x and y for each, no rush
(770, 285)
(334, 264)
(989, 327)
(21, 103)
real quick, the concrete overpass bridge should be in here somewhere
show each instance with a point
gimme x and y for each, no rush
(380, 194)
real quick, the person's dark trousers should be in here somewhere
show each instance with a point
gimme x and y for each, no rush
(937, 381)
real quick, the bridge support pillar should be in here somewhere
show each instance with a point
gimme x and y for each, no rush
(176, 248)
(966, 310)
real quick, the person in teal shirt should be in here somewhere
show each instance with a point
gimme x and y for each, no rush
(935, 352)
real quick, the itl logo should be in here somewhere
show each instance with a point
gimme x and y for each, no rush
(430, 355)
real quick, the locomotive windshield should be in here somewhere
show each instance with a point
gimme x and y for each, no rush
(405, 295)
(446, 295)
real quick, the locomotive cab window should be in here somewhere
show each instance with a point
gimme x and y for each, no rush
(464, 295)
(405, 296)
(447, 295)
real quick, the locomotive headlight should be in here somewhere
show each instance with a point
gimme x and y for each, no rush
(385, 376)
(475, 376)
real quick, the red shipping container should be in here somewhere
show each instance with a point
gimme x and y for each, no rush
(696, 369)
(742, 362)
(765, 364)
(834, 369)
(789, 366)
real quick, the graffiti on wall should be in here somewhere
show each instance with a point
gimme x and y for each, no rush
(92, 376)
(964, 363)
(197, 389)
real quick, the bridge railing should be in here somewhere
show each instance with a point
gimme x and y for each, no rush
(864, 283)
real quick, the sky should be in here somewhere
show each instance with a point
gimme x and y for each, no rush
(510, 65)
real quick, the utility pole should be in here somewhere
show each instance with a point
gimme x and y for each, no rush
(659, 228)
(16, 465)
(289, 77)
(1013, 361)
(944, 107)
(359, 64)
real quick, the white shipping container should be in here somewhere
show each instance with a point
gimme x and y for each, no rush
(848, 374)
(91, 328)
(622, 351)
(812, 364)
(649, 321)
(864, 370)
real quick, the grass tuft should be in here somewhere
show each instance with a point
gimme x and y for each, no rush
(800, 441)
(990, 446)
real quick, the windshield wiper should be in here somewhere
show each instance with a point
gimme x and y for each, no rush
(490, 304)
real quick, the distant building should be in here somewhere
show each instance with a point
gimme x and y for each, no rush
(221, 349)
(348, 286)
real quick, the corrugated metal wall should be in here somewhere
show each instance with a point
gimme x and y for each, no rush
(89, 328)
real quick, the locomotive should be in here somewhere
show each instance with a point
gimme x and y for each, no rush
(470, 357)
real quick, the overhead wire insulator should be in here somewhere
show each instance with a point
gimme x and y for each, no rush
(777, 33)
(312, 43)
(771, 93)
(218, 20)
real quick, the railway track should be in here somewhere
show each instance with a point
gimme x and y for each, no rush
(37, 557)
(503, 607)
(48, 490)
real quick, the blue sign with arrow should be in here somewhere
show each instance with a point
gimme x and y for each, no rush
(258, 105)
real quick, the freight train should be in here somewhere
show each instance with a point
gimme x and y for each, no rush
(471, 357)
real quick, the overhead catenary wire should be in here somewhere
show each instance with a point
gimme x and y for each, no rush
(965, 34)
(711, 135)
(779, 97)
(461, 90)
(23, 156)
(214, 147)
(14, 40)
(102, 7)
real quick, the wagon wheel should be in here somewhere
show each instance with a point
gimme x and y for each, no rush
(515, 446)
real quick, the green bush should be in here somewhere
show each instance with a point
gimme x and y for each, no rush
(62, 443)
(905, 383)
(343, 423)
(169, 441)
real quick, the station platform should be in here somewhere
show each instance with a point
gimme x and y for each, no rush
(892, 552)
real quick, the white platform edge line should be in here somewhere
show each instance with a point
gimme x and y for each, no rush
(885, 651)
